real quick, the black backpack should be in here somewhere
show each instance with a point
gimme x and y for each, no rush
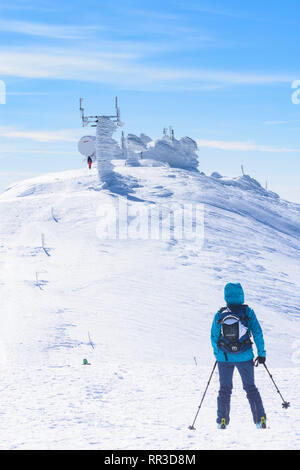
(235, 335)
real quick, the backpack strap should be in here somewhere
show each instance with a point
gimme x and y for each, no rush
(221, 310)
(244, 309)
(231, 309)
(247, 308)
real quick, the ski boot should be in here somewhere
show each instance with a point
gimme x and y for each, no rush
(222, 425)
(262, 423)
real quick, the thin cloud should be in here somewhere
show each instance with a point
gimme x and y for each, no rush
(47, 30)
(242, 146)
(125, 70)
(60, 135)
(72, 136)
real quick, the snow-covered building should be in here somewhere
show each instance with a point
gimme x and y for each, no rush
(133, 147)
(167, 150)
(176, 153)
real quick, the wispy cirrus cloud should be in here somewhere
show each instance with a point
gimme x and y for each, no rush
(126, 69)
(58, 135)
(119, 61)
(72, 136)
(243, 146)
(47, 30)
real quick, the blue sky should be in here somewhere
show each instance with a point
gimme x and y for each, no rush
(219, 72)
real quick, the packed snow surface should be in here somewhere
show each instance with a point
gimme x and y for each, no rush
(140, 311)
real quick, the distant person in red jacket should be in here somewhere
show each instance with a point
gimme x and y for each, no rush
(90, 161)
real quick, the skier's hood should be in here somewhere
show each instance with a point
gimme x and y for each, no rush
(234, 294)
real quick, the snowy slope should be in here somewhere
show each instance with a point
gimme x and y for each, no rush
(140, 311)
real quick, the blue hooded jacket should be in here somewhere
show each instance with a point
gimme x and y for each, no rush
(234, 295)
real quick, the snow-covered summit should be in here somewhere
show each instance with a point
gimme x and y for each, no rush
(242, 219)
(138, 307)
(244, 182)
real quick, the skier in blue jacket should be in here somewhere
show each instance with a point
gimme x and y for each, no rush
(230, 337)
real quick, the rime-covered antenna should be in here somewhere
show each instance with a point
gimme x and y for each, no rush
(123, 145)
(81, 109)
(242, 168)
(171, 133)
(92, 120)
(122, 140)
(118, 112)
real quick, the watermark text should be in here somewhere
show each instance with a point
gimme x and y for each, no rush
(296, 93)
(122, 219)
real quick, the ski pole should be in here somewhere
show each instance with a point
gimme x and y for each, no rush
(285, 404)
(192, 427)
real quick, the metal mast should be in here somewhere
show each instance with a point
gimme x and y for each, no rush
(93, 120)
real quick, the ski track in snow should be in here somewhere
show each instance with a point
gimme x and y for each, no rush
(148, 307)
